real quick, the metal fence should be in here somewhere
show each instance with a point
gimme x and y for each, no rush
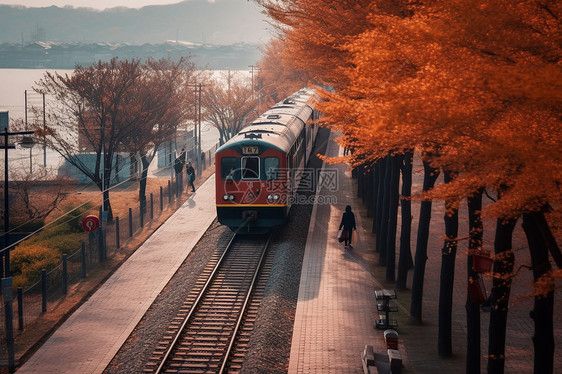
(34, 301)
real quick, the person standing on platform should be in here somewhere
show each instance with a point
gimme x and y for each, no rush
(179, 163)
(190, 175)
(348, 224)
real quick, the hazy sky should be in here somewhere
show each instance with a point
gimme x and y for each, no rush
(96, 4)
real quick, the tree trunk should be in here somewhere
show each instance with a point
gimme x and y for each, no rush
(379, 180)
(369, 187)
(360, 178)
(394, 199)
(383, 224)
(373, 191)
(542, 314)
(472, 308)
(429, 178)
(405, 261)
(142, 184)
(447, 279)
(503, 271)
(105, 188)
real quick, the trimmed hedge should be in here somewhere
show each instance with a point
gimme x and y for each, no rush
(44, 250)
(27, 261)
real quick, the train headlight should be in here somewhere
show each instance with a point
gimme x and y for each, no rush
(225, 197)
(272, 197)
(231, 197)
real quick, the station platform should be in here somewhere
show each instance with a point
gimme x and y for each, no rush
(336, 305)
(87, 341)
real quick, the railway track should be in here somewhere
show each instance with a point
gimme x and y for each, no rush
(211, 331)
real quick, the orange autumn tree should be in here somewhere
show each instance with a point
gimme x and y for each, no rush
(446, 79)
(314, 33)
(277, 79)
(473, 109)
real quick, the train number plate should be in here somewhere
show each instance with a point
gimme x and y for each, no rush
(253, 150)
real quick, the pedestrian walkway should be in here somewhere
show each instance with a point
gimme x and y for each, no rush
(336, 306)
(92, 335)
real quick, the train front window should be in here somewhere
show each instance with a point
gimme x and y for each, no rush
(250, 168)
(230, 168)
(271, 166)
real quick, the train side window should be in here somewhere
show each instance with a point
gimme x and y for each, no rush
(250, 167)
(230, 168)
(271, 166)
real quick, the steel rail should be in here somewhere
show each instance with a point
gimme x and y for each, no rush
(193, 308)
(243, 309)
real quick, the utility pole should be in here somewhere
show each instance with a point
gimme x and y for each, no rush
(198, 89)
(199, 168)
(44, 132)
(30, 148)
(257, 69)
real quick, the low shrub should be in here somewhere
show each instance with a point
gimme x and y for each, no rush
(27, 260)
(67, 243)
(43, 250)
(70, 222)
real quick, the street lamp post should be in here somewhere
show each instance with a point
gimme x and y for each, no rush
(6, 283)
(6, 146)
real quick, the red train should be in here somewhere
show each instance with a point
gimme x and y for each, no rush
(257, 171)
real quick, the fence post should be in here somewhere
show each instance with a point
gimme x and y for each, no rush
(100, 244)
(83, 255)
(64, 275)
(9, 316)
(43, 291)
(91, 246)
(130, 223)
(161, 199)
(169, 192)
(117, 242)
(151, 206)
(141, 215)
(20, 309)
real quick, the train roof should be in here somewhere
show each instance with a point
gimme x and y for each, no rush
(280, 125)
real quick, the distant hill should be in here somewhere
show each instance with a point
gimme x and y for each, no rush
(51, 55)
(201, 21)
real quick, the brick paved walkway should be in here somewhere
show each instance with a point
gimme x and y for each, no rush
(92, 335)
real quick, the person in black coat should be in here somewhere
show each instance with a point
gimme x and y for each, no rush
(190, 175)
(179, 163)
(348, 223)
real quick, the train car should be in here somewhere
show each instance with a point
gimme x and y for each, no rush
(257, 170)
